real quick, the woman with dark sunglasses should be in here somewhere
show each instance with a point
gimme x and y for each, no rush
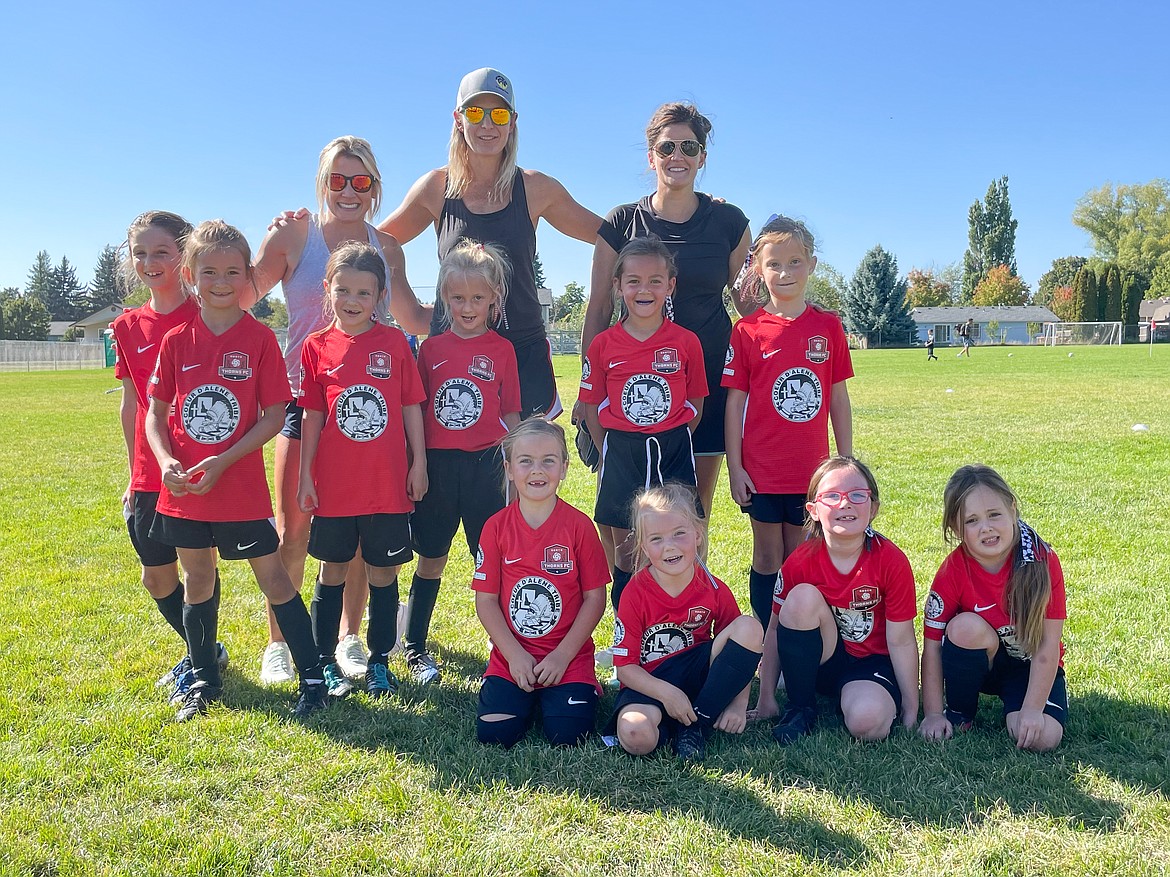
(709, 240)
(294, 254)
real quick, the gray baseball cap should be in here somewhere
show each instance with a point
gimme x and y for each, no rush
(485, 80)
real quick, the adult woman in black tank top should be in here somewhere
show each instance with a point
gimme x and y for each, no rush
(709, 240)
(481, 194)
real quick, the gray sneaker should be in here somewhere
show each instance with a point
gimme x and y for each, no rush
(336, 682)
(423, 669)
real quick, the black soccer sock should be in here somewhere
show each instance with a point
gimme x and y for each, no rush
(216, 591)
(382, 631)
(621, 578)
(731, 672)
(761, 589)
(293, 618)
(199, 623)
(170, 608)
(964, 671)
(800, 657)
(420, 606)
(325, 611)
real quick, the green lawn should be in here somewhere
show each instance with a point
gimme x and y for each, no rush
(96, 778)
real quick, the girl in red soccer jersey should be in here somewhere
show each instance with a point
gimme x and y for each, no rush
(993, 618)
(785, 378)
(642, 391)
(540, 590)
(360, 393)
(844, 613)
(155, 245)
(684, 654)
(224, 376)
(473, 398)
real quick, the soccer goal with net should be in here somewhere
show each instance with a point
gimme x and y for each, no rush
(1081, 333)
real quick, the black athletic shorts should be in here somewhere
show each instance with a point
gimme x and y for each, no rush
(686, 671)
(139, 518)
(570, 700)
(384, 539)
(538, 384)
(465, 486)
(843, 668)
(292, 421)
(236, 540)
(633, 461)
(776, 508)
(1008, 680)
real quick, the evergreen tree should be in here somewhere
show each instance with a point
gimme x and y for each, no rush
(1111, 304)
(991, 237)
(26, 319)
(39, 285)
(68, 292)
(107, 287)
(1084, 296)
(1133, 290)
(876, 302)
(538, 270)
(262, 310)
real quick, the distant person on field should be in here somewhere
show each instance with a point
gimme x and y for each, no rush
(965, 330)
(930, 345)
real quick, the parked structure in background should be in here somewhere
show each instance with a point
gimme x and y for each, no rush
(991, 325)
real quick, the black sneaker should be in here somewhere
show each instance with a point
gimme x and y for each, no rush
(314, 696)
(196, 701)
(958, 721)
(380, 682)
(795, 722)
(689, 744)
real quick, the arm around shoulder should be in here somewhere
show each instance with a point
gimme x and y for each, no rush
(421, 207)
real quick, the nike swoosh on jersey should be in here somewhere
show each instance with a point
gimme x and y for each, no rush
(513, 560)
(146, 348)
(188, 368)
(330, 371)
(616, 364)
(771, 353)
(399, 551)
(577, 702)
(437, 364)
(979, 608)
(240, 547)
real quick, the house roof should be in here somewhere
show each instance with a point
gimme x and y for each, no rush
(105, 315)
(1157, 309)
(58, 328)
(1000, 313)
(544, 296)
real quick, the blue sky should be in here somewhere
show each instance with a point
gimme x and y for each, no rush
(876, 123)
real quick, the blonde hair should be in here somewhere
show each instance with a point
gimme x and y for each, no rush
(472, 259)
(666, 499)
(533, 427)
(360, 257)
(212, 235)
(1029, 585)
(778, 230)
(812, 526)
(359, 149)
(459, 173)
(171, 223)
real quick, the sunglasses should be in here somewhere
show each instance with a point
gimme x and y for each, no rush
(499, 116)
(836, 498)
(690, 148)
(360, 182)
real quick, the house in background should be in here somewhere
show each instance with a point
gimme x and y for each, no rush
(545, 297)
(58, 328)
(992, 325)
(92, 327)
(1158, 310)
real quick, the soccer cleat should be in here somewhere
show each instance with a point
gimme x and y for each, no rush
(959, 722)
(795, 722)
(380, 682)
(689, 744)
(196, 701)
(423, 669)
(276, 665)
(221, 656)
(172, 676)
(314, 696)
(336, 682)
(182, 686)
(351, 657)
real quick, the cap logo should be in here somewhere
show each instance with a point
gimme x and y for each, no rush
(502, 82)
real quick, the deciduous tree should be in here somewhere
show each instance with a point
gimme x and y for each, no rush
(926, 290)
(991, 237)
(1061, 273)
(1128, 224)
(26, 319)
(1000, 287)
(826, 287)
(568, 303)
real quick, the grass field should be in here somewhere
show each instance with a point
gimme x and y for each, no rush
(96, 778)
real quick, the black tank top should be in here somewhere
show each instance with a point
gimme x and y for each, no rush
(511, 229)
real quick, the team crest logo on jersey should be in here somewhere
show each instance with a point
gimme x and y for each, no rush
(482, 367)
(379, 366)
(854, 625)
(479, 574)
(458, 403)
(586, 370)
(361, 413)
(535, 607)
(619, 634)
(235, 367)
(934, 606)
(697, 617)
(557, 560)
(729, 356)
(662, 640)
(818, 349)
(796, 395)
(666, 361)
(211, 414)
(1007, 636)
(779, 586)
(646, 400)
(865, 597)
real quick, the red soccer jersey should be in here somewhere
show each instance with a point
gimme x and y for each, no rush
(540, 577)
(788, 369)
(471, 383)
(361, 382)
(879, 588)
(643, 386)
(962, 585)
(652, 625)
(219, 384)
(137, 334)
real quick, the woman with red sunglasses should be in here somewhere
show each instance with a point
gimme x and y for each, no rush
(294, 254)
(709, 240)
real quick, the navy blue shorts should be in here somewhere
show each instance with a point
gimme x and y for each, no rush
(465, 486)
(686, 671)
(570, 700)
(384, 539)
(293, 413)
(236, 540)
(1008, 680)
(633, 461)
(843, 668)
(139, 518)
(776, 508)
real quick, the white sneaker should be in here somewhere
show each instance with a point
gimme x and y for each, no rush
(351, 657)
(276, 667)
(603, 658)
